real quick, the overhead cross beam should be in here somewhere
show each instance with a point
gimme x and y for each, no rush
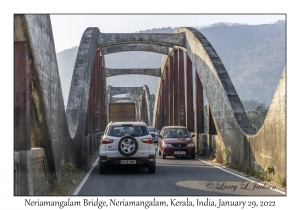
(115, 72)
(124, 90)
(136, 47)
(114, 99)
(164, 39)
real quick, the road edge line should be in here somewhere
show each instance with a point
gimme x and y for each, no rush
(276, 190)
(85, 177)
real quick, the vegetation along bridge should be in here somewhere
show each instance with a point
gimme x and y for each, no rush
(46, 136)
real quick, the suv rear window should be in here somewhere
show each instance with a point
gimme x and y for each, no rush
(118, 131)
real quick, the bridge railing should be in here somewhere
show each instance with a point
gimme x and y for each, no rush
(34, 164)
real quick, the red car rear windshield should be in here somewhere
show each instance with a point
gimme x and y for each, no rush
(176, 133)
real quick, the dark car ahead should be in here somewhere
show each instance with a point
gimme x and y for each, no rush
(175, 141)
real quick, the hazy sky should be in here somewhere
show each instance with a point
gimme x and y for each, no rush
(68, 29)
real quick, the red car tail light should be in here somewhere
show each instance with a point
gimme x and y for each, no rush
(107, 141)
(147, 141)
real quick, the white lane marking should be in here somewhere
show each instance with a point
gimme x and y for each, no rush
(86, 177)
(279, 191)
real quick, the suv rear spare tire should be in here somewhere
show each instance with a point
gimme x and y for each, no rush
(127, 145)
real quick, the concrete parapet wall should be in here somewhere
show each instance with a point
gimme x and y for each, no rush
(23, 173)
(86, 149)
(17, 176)
(269, 144)
(40, 172)
(212, 146)
(204, 145)
(31, 172)
(91, 145)
(265, 149)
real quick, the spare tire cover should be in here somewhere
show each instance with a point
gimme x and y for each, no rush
(127, 145)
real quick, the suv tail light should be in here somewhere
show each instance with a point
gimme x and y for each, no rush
(106, 141)
(147, 141)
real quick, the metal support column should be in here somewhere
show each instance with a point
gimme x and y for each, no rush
(21, 97)
(104, 101)
(143, 108)
(163, 101)
(176, 98)
(189, 95)
(199, 127)
(171, 90)
(181, 92)
(161, 107)
(22, 140)
(167, 92)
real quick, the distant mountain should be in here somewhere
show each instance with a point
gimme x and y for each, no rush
(253, 55)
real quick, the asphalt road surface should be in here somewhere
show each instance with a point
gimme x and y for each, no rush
(174, 177)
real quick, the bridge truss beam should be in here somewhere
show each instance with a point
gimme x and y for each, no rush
(135, 47)
(115, 72)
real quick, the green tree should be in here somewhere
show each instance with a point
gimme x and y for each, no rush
(257, 116)
(152, 98)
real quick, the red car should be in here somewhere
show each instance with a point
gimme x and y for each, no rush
(175, 141)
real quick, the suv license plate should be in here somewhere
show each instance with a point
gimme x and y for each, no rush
(128, 162)
(179, 152)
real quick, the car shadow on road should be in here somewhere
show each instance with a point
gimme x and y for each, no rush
(128, 170)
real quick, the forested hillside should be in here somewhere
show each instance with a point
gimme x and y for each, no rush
(253, 55)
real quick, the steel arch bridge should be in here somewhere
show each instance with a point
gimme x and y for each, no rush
(46, 134)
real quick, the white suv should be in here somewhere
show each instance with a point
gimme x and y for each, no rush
(127, 144)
